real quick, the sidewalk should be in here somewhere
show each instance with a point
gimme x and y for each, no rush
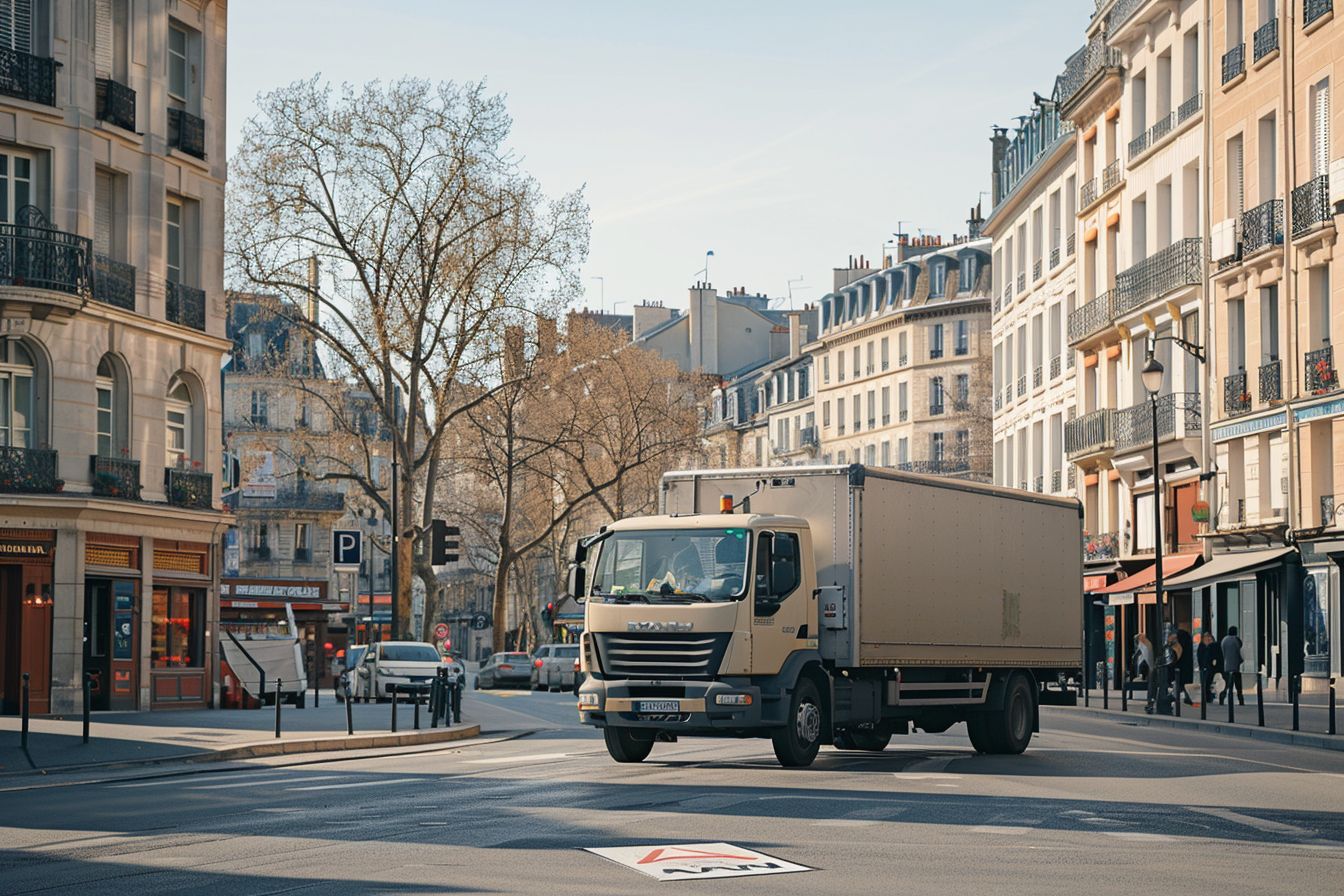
(1313, 717)
(204, 735)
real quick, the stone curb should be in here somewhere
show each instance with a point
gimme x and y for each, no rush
(1235, 729)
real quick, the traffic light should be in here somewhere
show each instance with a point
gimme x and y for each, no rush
(443, 543)
(548, 613)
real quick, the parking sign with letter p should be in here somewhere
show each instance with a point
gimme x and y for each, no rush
(345, 549)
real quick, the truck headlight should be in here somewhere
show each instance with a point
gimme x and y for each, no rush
(733, 699)
(588, 701)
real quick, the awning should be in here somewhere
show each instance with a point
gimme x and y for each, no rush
(1230, 566)
(1123, 591)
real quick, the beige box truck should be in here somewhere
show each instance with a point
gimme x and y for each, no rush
(829, 605)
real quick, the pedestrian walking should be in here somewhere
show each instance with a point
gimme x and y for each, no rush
(1210, 656)
(1232, 666)
(1173, 659)
(1143, 662)
(1185, 663)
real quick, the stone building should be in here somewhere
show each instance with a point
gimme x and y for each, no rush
(112, 329)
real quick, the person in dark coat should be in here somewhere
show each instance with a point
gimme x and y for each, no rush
(1186, 664)
(1232, 666)
(1210, 656)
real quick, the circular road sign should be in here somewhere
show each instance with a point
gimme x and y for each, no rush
(441, 631)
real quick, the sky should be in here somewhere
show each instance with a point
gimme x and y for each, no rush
(782, 136)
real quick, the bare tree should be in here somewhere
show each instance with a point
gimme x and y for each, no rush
(431, 239)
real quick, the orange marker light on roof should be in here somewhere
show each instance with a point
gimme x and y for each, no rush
(725, 503)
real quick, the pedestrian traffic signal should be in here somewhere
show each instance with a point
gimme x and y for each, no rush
(443, 543)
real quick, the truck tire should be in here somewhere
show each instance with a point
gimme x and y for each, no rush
(870, 741)
(624, 746)
(977, 726)
(1009, 728)
(797, 742)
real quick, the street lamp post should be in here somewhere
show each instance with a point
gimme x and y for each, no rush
(1152, 381)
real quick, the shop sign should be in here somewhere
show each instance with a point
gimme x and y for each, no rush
(1199, 511)
(15, 549)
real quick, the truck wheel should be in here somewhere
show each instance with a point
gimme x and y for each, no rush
(1009, 729)
(977, 726)
(625, 746)
(797, 742)
(873, 743)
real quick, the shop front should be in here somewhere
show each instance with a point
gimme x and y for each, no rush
(180, 673)
(261, 608)
(26, 558)
(1130, 609)
(112, 612)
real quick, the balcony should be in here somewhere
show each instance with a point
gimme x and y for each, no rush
(1088, 193)
(1070, 243)
(189, 488)
(37, 255)
(1111, 177)
(28, 471)
(1085, 68)
(1105, 546)
(904, 415)
(1091, 319)
(1266, 39)
(115, 477)
(1139, 145)
(1321, 374)
(902, 361)
(1054, 258)
(185, 305)
(259, 552)
(1090, 433)
(1054, 367)
(1314, 9)
(961, 405)
(1054, 482)
(1271, 381)
(1180, 264)
(1262, 227)
(116, 104)
(1008, 394)
(301, 498)
(936, 409)
(1234, 63)
(1189, 108)
(872, 423)
(303, 555)
(113, 282)
(1311, 205)
(936, 467)
(1178, 417)
(1039, 484)
(1022, 385)
(1073, 476)
(1236, 397)
(1036, 269)
(886, 419)
(186, 132)
(27, 77)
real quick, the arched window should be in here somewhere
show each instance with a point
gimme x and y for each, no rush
(17, 397)
(180, 424)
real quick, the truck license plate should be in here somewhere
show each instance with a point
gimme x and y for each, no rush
(658, 706)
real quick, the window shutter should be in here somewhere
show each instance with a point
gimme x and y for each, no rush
(102, 40)
(1236, 178)
(1320, 157)
(102, 213)
(16, 25)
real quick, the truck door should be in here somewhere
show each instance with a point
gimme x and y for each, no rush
(779, 617)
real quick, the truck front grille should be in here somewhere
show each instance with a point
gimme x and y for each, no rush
(661, 654)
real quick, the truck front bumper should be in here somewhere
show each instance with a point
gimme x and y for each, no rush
(673, 706)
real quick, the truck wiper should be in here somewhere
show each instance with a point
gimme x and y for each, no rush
(624, 597)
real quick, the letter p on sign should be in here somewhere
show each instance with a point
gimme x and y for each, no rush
(345, 549)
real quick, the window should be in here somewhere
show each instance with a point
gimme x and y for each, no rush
(178, 627)
(177, 62)
(173, 236)
(840, 416)
(180, 423)
(902, 356)
(105, 386)
(903, 451)
(857, 368)
(16, 185)
(936, 447)
(872, 408)
(858, 410)
(303, 546)
(964, 390)
(870, 455)
(936, 395)
(259, 417)
(963, 447)
(184, 68)
(825, 368)
(1320, 128)
(963, 337)
(109, 51)
(936, 341)
(886, 454)
(840, 365)
(886, 405)
(886, 353)
(966, 276)
(17, 398)
(938, 279)
(825, 413)
(871, 368)
(902, 405)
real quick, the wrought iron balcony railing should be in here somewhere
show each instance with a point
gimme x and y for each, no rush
(1054, 258)
(29, 471)
(1104, 546)
(1054, 367)
(115, 103)
(936, 409)
(1008, 394)
(1022, 282)
(1180, 264)
(935, 467)
(1091, 319)
(904, 415)
(807, 436)
(903, 360)
(998, 401)
(1039, 483)
(185, 305)
(1178, 417)
(1022, 385)
(1088, 193)
(1111, 177)
(1054, 482)
(1311, 205)
(115, 477)
(1121, 12)
(27, 77)
(1266, 39)
(186, 132)
(1138, 145)
(1190, 108)
(1314, 9)
(1321, 374)
(1271, 381)
(113, 282)
(1090, 433)
(1084, 68)
(1070, 243)
(1262, 226)
(1234, 62)
(1236, 396)
(189, 488)
(35, 254)
(1037, 377)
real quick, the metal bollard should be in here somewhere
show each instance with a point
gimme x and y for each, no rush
(457, 703)
(277, 707)
(1332, 706)
(23, 701)
(1259, 698)
(416, 723)
(1297, 690)
(88, 698)
(1177, 693)
(1231, 699)
(349, 717)
(434, 703)
(317, 697)
(394, 709)
(1203, 693)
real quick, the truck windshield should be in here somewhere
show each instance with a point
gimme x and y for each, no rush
(672, 565)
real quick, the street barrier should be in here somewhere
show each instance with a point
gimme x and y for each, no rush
(88, 698)
(277, 707)
(23, 705)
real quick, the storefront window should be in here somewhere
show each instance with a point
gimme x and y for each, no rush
(178, 628)
(1316, 628)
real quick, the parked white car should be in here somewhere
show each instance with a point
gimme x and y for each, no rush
(410, 666)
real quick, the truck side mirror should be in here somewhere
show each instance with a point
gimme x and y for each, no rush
(576, 583)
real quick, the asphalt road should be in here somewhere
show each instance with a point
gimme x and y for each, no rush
(1094, 806)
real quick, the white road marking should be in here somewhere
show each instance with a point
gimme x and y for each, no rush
(1260, 824)
(1149, 838)
(530, 757)
(357, 784)
(265, 782)
(907, 776)
(999, 829)
(183, 780)
(843, 823)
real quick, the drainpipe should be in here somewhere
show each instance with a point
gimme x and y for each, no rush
(1287, 38)
(1206, 301)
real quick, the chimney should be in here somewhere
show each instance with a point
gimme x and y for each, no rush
(704, 329)
(313, 287)
(1000, 143)
(976, 223)
(795, 335)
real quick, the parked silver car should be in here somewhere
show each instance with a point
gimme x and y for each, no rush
(553, 667)
(504, 669)
(409, 666)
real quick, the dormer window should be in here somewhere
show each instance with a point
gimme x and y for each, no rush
(937, 278)
(969, 271)
(897, 285)
(911, 281)
(826, 314)
(864, 300)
